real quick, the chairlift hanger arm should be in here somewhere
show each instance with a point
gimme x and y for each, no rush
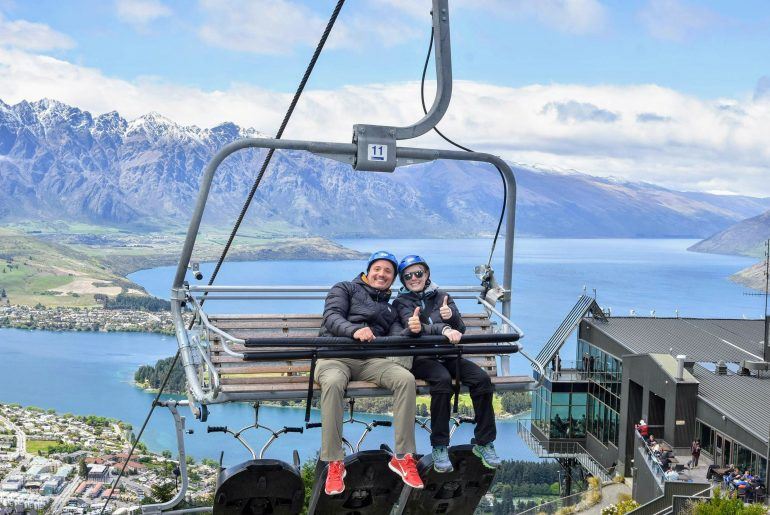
(332, 149)
(443, 52)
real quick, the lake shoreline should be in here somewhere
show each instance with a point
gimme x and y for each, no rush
(503, 416)
(97, 320)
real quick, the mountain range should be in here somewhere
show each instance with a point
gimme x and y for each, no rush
(59, 162)
(747, 238)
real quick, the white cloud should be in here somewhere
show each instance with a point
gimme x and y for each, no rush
(675, 20)
(259, 26)
(419, 9)
(141, 12)
(31, 36)
(278, 26)
(575, 16)
(641, 132)
(572, 16)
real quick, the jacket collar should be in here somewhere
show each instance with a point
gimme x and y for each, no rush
(374, 293)
(430, 290)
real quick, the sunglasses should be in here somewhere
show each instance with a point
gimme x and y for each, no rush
(418, 274)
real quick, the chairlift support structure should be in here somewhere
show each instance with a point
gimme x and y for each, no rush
(373, 149)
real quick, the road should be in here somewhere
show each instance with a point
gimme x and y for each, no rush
(21, 438)
(61, 500)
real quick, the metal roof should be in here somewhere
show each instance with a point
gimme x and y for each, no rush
(700, 339)
(669, 366)
(743, 399)
(583, 306)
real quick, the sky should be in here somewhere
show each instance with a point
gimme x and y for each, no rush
(672, 92)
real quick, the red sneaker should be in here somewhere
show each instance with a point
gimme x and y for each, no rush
(335, 473)
(407, 469)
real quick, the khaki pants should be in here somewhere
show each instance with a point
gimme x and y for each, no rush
(334, 375)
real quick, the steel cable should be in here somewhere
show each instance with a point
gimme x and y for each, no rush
(461, 147)
(237, 225)
(278, 135)
(141, 431)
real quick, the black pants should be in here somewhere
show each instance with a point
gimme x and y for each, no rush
(440, 374)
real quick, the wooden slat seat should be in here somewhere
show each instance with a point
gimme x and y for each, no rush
(298, 389)
(287, 379)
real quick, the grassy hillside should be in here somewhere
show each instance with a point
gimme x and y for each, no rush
(745, 238)
(33, 271)
(66, 264)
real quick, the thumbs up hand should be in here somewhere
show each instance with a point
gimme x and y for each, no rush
(414, 323)
(445, 311)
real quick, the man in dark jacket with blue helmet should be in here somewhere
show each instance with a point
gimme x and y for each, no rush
(359, 309)
(429, 310)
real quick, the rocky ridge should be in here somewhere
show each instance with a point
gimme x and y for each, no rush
(59, 162)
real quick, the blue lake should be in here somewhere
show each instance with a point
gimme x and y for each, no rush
(86, 373)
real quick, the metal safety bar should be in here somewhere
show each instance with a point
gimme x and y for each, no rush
(535, 364)
(321, 342)
(300, 292)
(226, 337)
(504, 318)
(298, 289)
(297, 297)
(438, 350)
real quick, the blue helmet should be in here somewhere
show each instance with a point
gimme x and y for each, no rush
(408, 261)
(382, 254)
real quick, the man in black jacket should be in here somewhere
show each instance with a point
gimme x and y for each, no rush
(359, 309)
(426, 309)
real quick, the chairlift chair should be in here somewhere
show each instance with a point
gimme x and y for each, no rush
(256, 357)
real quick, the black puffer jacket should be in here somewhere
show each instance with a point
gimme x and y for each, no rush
(353, 305)
(429, 301)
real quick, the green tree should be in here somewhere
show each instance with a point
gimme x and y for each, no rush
(82, 468)
(515, 402)
(555, 488)
(163, 492)
(154, 375)
(721, 504)
(307, 472)
(209, 462)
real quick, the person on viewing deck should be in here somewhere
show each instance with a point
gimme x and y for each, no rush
(359, 309)
(671, 475)
(643, 428)
(695, 453)
(426, 309)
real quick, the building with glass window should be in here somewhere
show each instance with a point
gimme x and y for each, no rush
(687, 378)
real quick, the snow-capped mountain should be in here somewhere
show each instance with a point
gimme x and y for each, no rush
(59, 162)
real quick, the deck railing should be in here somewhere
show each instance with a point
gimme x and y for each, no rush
(561, 449)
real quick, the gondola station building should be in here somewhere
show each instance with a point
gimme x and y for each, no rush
(686, 378)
